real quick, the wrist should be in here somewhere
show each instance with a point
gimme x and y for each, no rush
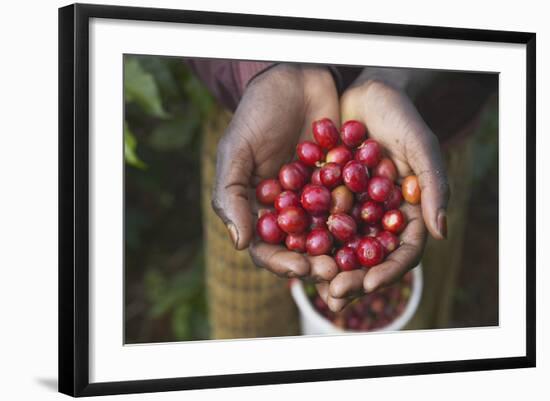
(318, 80)
(392, 77)
(248, 70)
(310, 81)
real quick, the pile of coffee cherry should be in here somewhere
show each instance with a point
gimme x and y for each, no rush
(371, 312)
(340, 198)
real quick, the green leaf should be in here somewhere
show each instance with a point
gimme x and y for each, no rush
(130, 145)
(160, 69)
(175, 134)
(141, 88)
(198, 94)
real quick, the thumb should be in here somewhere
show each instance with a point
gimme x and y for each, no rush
(230, 198)
(427, 163)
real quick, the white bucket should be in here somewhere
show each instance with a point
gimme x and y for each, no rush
(312, 322)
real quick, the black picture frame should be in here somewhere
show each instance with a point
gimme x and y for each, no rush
(74, 198)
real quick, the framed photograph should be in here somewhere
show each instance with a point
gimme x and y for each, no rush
(252, 199)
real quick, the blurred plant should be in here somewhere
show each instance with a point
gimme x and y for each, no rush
(164, 107)
(182, 298)
(130, 145)
(486, 149)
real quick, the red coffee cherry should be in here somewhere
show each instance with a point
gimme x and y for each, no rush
(377, 305)
(296, 242)
(267, 191)
(309, 153)
(341, 200)
(291, 178)
(340, 155)
(319, 242)
(388, 241)
(331, 175)
(371, 212)
(356, 213)
(411, 189)
(369, 153)
(315, 199)
(353, 133)
(380, 188)
(369, 252)
(386, 168)
(325, 133)
(268, 229)
(371, 230)
(394, 221)
(319, 221)
(346, 259)
(353, 243)
(356, 176)
(316, 176)
(394, 199)
(362, 197)
(305, 170)
(286, 199)
(293, 220)
(342, 226)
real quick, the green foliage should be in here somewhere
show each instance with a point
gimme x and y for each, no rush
(182, 297)
(200, 98)
(164, 273)
(163, 97)
(130, 145)
(174, 134)
(141, 87)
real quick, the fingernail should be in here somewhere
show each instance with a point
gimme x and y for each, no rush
(442, 223)
(233, 233)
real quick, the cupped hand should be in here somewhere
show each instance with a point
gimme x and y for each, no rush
(274, 114)
(394, 122)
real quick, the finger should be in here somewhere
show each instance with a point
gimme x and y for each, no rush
(404, 258)
(323, 268)
(427, 163)
(230, 199)
(322, 290)
(347, 284)
(334, 304)
(338, 304)
(323, 103)
(279, 260)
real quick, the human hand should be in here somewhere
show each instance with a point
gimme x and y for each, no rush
(274, 114)
(394, 122)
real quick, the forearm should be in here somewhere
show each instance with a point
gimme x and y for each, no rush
(227, 79)
(411, 81)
